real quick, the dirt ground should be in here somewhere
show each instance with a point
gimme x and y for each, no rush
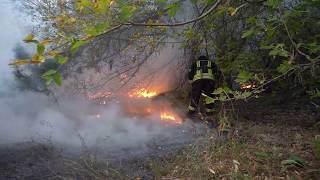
(266, 141)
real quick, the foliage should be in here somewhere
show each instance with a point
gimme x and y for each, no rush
(28, 77)
(293, 161)
(314, 94)
(244, 77)
(258, 42)
(267, 41)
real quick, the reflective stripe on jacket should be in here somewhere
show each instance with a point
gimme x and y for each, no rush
(204, 70)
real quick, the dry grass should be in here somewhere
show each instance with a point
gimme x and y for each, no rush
(253, 151)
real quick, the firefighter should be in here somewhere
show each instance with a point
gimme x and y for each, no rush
(202, 77)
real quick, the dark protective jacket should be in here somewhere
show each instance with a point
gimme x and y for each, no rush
(202, 69)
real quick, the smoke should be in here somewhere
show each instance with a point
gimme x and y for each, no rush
(27, 116)
(10, 34)
(32, 116)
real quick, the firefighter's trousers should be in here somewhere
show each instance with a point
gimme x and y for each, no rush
(205, 86)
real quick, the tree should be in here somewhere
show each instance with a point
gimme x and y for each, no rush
(261, 41)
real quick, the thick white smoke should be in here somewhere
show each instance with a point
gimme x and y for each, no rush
(26, 116)
(10, 34)
(32, 116)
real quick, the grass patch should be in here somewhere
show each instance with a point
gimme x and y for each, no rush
(263, 153)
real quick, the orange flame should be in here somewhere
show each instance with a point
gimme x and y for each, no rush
(166, 116)
(143, 93)
(248, 86)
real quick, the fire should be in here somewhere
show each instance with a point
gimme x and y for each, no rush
(166, 116)
(145, 93)
(247, 86)
(157, 110)
(149, 110)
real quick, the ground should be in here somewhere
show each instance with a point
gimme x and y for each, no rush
(267, 141)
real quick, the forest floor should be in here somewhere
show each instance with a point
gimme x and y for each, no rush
(267, 141)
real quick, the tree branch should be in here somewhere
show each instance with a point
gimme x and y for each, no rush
(214, 6)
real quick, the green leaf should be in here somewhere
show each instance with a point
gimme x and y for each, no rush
(173, 8)
(40, 49)
(249, 32)
(38, 57)
(160, 1)
(208, 99)
(57, 78)
(223, 98)
(293, 161)
(30, 38)
(273, 19)
(126, 12)
(53, 53)
(273, 3)
(102, 6)
(251, 20)
(96, 30)
(82, 4)
(246, 94)
(77, 44)
(218, 91)
(49, 81)
(289, 162)
(314, 94)
(52, 76)
(61, 59)
(284, 67)
(210, 1)
(277, 50)
(313, 47)
(49, 73)
(244, 76)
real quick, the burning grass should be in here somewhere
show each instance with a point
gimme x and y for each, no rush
(142, 93)
(248, 86)
(170, 117)
(140, 103)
